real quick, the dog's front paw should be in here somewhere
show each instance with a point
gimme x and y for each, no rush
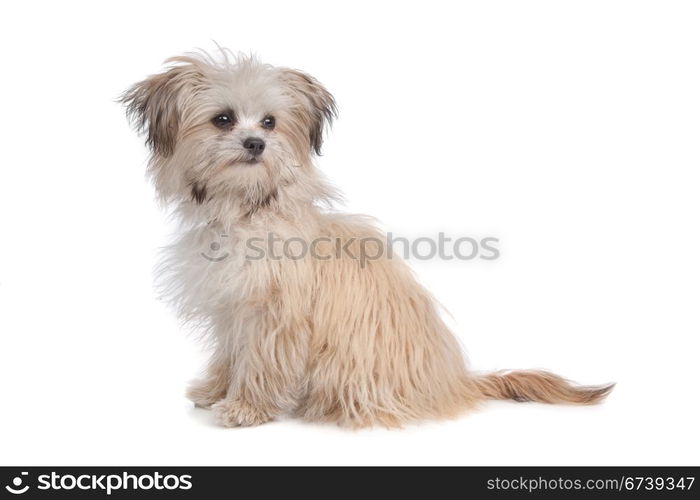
(205, 394)
(238, 413)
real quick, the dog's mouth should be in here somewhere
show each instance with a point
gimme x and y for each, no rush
(246, 162)
(249, 161)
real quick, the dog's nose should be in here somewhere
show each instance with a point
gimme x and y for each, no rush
(254, 145)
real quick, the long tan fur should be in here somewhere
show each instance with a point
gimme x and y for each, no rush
(326, 336)
(539, 386)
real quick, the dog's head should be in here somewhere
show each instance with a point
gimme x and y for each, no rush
(231, 129)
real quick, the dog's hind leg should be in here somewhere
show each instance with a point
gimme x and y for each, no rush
(212, 387)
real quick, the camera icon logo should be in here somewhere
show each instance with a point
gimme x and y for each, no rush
(216, 253)
(16, 488)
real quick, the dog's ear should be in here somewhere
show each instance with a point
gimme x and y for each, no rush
(319, 105)
(155, 104)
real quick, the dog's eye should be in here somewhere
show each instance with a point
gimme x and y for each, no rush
(268, 122)
(223, 121)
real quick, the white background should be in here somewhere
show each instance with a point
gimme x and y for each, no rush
(569, 130)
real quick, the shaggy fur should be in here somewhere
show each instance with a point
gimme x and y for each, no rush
(325, 338)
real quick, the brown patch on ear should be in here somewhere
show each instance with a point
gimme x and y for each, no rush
(154, 105)
(199, 193)
(318, 103)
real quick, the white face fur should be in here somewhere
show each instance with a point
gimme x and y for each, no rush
(230, 135)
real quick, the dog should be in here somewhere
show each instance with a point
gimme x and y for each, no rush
(322, 337)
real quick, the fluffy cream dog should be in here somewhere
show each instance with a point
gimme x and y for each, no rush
(326, 336)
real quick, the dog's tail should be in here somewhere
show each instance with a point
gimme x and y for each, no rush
(540, 386)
